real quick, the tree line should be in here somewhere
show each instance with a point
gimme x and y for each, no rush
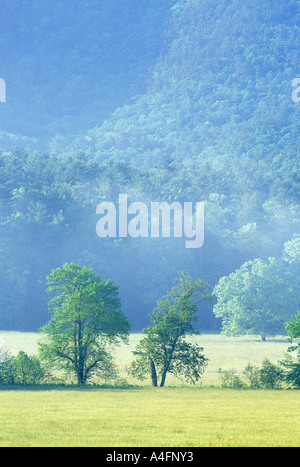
(48, 217)
(87, 323)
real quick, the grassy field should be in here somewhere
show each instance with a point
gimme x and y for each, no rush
(174, 416)
(170, 417)
(223, 352)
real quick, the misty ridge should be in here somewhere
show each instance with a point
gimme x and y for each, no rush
(170, 102)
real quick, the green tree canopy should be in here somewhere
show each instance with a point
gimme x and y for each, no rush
(164, 348)
(86, 321)
(258, 298)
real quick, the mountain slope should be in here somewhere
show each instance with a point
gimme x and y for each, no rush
(222, 89)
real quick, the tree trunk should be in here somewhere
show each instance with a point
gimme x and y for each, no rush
(80, 358)
(153, 374)
(163, 378)
(80, 377)
(81, 371)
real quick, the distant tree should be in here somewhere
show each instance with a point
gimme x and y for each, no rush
(164, 348)
(267, 376)
(258, 298)
(86, 321)
(3, 351)
(6, 365)
(293, 328)
(271, 375)
(291, 251)
(230, 379)
(27, 369)
(252, 374)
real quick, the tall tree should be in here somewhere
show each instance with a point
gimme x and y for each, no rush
(258, 298)
(86, 321)
(164, 349)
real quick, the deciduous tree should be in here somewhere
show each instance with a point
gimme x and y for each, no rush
(258, 298)
(165, 348)
(86, 322)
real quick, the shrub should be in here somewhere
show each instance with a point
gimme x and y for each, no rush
(252, 374)
(6, 366)
(271, 375)
(268, 376)
(27, 369)
(230, 379)
(291, 370)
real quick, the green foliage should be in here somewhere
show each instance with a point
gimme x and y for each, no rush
(293, 328)
(164, 348)
(258, 298)
(22, 369)
(6, 366)
(230, 379)
(291, 368)
(220, 90)
(252, 374)
(86, 322)
(27, 369)
(271, 375)
(267, 376)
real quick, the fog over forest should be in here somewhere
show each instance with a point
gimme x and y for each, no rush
(189, 101)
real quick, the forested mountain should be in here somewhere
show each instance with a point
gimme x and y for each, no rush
(222, 89)
(212, 120)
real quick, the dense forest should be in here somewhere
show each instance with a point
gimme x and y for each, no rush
(185, 101)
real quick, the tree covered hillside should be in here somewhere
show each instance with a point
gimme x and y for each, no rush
(219, 103)
(216, 123)
(222, 90)
(219, 116)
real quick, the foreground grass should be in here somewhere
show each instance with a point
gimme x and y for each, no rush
(155, 417)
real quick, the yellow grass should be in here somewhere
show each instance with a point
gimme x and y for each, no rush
(165, 417)
(157, 417)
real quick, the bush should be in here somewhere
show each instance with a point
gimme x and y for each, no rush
(27, 369)
(268, 376)
(291, 371)
(230, 379)
(22, 369)
(271, 375)
(6, 366)
(252, 374)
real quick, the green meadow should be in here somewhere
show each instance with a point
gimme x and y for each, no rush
(149, 417)
(175, 416)
(222, 352)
